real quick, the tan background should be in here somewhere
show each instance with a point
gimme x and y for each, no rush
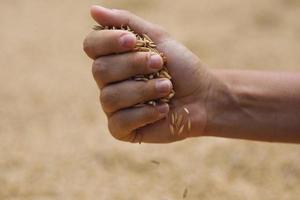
(54, 143)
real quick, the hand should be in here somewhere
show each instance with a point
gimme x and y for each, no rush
(195, 86)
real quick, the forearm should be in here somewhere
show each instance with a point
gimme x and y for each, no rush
(257, 105)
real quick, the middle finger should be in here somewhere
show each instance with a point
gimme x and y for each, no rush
(114, 68)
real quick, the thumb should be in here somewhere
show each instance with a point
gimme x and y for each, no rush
(117, 18)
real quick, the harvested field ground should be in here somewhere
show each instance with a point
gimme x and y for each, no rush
(54, 143)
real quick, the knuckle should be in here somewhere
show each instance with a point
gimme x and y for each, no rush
(116, 128)
(111, 128)
(99, 70)
(108, 99)
(88, 47)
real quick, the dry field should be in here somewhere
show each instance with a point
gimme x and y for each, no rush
(54, 143)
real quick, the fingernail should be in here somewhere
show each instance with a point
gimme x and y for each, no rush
(155, 61)
(163, 108)
(128, 40)
(163, 85)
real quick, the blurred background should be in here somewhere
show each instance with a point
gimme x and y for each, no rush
(54, 142)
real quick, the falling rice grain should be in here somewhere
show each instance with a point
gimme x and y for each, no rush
(179, 121)
(181, 129)
(185, 193)
(173, 118)
(186, 110)
(189, 125)
(155, 162)
(172, 129)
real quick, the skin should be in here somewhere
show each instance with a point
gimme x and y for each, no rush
(252, 105)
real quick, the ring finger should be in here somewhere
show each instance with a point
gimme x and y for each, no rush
(129, 93)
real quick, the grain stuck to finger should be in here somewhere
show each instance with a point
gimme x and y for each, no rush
(139, 137)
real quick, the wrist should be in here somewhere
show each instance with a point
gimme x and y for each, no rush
(225, 116)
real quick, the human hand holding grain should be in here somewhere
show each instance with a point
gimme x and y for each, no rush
(224, 103)
(119, 94)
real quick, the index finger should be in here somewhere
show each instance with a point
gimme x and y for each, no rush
(105, 42)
